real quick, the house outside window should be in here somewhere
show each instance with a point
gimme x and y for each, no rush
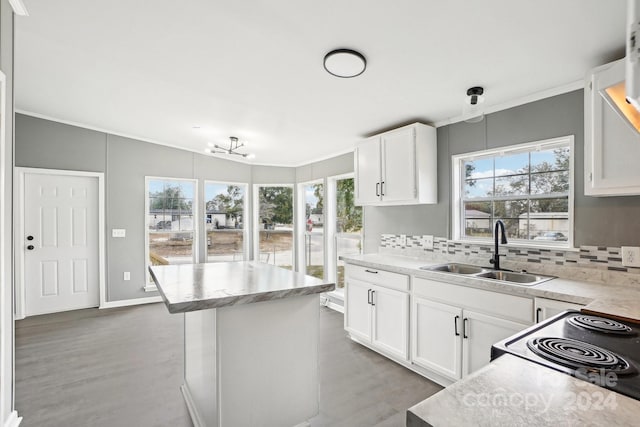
(170, 230)
(225, 216)
(528, 186)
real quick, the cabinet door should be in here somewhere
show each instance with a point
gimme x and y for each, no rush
(612, 144)
(357, 313)
(480, 332)
(391, 321)
(436, 342)
(546, 308)
(367, 168)
(398, 166)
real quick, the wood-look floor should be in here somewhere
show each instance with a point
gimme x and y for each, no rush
(123, 367)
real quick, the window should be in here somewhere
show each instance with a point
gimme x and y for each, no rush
(170, 227)
(224, 221)
(311, 232)
(528, 186)
(347, 224)
(274, 221)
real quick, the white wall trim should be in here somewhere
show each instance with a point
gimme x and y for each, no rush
(13, 420)
(532, 97)
(130, 302)
(18, 209)
(18, 7)
(191, 406)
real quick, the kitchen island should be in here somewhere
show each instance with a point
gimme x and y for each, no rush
(251, 341)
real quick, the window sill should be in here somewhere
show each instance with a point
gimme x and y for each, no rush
(518, 245)
(151, 288)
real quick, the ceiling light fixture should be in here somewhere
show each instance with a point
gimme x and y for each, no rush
(231, 149)
(345, 63)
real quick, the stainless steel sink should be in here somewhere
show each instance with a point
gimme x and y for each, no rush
(524, 279)
(455, 268)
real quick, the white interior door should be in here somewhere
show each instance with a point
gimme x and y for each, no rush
(60, 243)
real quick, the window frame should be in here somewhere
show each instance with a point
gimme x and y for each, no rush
(196, 233)
(331, 233)
(245, 215)
(457, 180)
(256, 222)
(302, 222)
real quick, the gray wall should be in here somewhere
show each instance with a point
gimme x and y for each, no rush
(6, 157)
(125, 162)
(603, 221)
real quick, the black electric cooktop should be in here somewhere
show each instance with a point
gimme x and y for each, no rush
(597, 349)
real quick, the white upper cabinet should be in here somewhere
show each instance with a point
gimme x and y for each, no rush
(612, 143)
(398, 167)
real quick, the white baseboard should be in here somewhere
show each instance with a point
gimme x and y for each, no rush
(128, 302)
(191, 406)
(13, 421)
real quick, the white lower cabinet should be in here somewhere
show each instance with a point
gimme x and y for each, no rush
(546, 308)
(450, 337)
(479, 333)
(378, 316)
(436, 340)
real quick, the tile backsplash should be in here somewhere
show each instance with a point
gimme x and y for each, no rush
(591, 263)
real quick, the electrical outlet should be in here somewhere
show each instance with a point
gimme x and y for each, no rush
(127, 275)
(427, 241)
(118, 232)
(403, 240)
(631, 256)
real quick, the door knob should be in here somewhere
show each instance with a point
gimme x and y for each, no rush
(29, 237)
(30, 247)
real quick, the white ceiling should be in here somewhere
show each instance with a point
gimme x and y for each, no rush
(253, 69)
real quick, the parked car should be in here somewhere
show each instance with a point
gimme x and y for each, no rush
(553, 236)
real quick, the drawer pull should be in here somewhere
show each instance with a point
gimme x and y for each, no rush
(371, 271)
(455, 325)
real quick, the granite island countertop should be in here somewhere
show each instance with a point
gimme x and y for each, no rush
(191, 287)
(511, 391)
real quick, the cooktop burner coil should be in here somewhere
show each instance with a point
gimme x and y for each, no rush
(579, 355)
(600, 324)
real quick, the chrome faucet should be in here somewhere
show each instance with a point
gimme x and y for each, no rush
(503, 239)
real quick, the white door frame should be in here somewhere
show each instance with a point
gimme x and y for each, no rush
(18, 214)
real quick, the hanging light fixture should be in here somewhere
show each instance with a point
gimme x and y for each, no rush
(345, 63)
(233, 147)
(473, 110)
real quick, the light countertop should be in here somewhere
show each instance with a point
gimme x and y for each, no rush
(622, 301)
(511, 391)
(191, 287)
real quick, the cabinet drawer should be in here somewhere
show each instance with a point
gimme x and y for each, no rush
(502, 305)
(378, 277)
